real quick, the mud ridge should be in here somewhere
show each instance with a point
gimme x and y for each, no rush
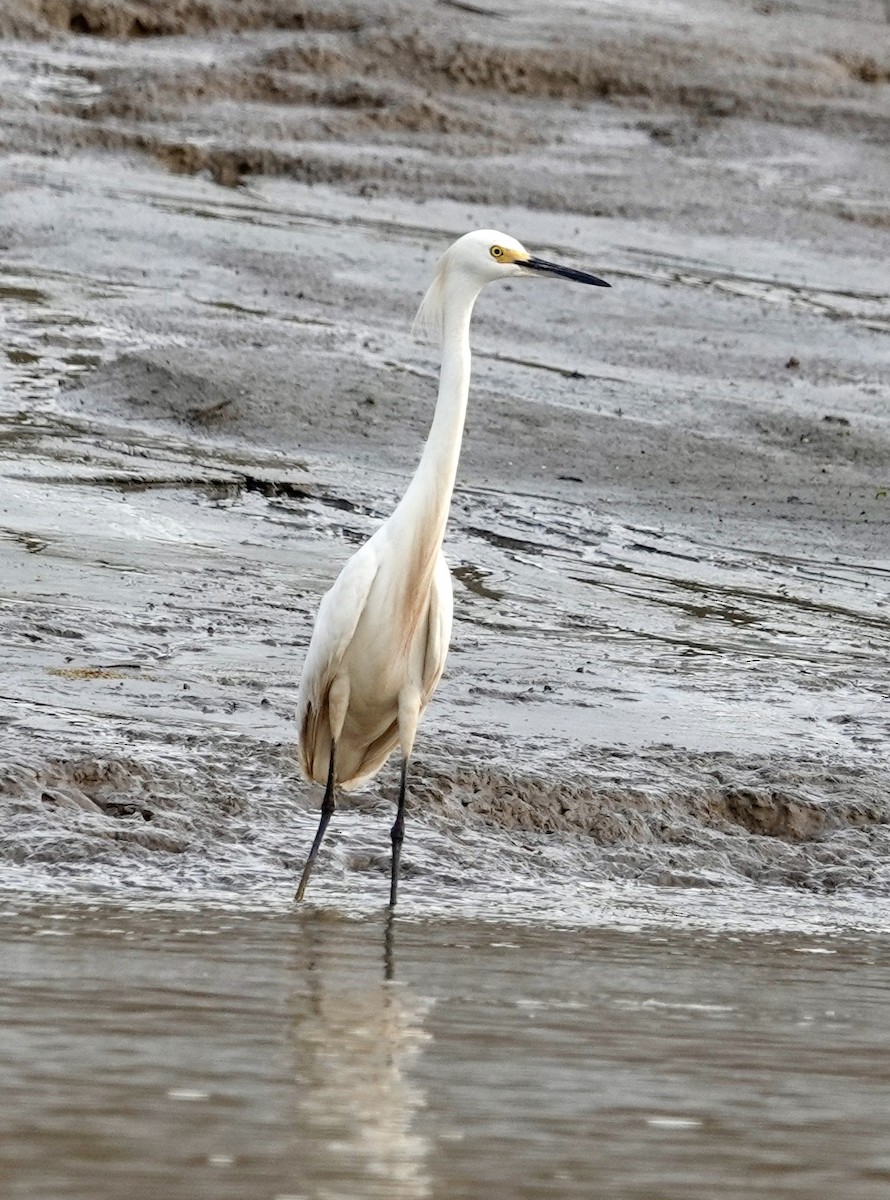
(372, 106)
(133, 19)
(608, 814)
(707, 78)
(714, 831)
(729, 820)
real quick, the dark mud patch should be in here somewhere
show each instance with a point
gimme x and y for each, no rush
(153, 391)
(134, 19)
(829, 439)
(865, 67)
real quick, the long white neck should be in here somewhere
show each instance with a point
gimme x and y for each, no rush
(431, 488)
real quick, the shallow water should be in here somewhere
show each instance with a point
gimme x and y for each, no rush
(239, 1055)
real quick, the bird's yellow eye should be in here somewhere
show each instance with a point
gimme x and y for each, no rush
(497, 252)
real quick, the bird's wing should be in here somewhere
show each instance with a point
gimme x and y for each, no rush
(338, 616)
(438, 631)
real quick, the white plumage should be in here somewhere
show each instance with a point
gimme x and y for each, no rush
(382, 631)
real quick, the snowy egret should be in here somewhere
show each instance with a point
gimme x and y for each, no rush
(382, 631)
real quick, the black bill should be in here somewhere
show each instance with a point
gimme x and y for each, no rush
(549, 268)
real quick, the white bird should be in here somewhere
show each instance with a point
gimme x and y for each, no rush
(382, 631)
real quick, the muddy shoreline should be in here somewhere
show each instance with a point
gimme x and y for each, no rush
(670, 535)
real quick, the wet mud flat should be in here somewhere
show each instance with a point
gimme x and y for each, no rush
(670, 537)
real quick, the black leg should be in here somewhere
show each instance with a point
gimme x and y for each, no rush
(327, 808)
(398, 836)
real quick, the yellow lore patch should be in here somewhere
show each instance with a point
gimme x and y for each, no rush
(502, 254)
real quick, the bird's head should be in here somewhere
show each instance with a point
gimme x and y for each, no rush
(490, 255)
(480, 258)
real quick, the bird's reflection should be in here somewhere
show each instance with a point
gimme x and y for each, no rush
(356, 1036)
(389, 947)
